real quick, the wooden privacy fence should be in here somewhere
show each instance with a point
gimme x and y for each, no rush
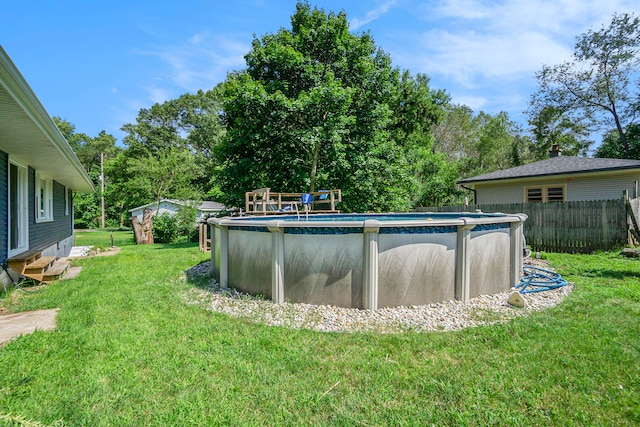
(572, 227)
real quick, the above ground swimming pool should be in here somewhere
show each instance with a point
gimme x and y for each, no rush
(368, 260)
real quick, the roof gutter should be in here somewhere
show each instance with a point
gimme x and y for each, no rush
(475, 194)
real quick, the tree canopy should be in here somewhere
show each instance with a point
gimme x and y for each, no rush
(169, 152)
(595, 90)
(318, 107)
(91, 151)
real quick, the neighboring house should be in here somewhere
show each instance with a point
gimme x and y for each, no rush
(557, 179)
(171, 207)
(38, 174)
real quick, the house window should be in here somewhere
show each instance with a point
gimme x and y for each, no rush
(18, 217)
(545, 193)
(66, 201)
(44, 199)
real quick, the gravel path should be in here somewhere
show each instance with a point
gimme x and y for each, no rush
(441, 316)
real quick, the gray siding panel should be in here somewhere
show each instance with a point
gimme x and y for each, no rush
(4, 205)
(600, 187)
(500, 193)
(43, 234)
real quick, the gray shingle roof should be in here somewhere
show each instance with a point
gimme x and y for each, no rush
(211, 206)
(206, 206)
(555, 166)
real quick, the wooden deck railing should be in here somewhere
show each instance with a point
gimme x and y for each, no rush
(264, 202)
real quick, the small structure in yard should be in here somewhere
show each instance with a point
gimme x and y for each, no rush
(574, 204)
(558, 179)
(142, 216)
(171, 207)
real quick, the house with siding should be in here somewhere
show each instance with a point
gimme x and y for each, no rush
(38, 174)
(558, 179)
(204, 209)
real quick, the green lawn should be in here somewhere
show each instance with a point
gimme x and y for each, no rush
(129, 351)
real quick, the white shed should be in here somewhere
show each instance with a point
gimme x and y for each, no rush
(204, 209)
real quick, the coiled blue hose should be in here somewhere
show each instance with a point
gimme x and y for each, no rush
(537, 279)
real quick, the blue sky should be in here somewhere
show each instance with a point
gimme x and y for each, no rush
(97, 63)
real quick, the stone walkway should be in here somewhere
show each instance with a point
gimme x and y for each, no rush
(14, 325)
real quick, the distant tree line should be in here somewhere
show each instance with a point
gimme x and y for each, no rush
(319, 107)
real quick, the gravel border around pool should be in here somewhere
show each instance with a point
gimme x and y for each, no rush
(441, 316)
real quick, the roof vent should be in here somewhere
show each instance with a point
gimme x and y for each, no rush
(555, 151)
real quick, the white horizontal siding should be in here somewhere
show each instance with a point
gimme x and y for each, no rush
(499, 193)
(600, 187)
(603, 188)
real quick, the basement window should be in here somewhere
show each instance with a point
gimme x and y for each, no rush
(545, 193)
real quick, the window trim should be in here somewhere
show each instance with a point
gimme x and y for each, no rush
(66, 201)
(44, 198)
(22, 210)
(544, 190)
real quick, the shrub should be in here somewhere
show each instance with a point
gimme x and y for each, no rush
(165, 229)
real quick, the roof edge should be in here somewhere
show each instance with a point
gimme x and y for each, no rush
(22, 93)
(576, 172)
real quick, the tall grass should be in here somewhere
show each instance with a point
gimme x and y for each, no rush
(129, 351)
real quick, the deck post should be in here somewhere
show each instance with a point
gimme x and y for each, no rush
(370, 269)
(463, 258)
(277, 261)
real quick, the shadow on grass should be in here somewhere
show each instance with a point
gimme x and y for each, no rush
(177, 245)
(612, 274)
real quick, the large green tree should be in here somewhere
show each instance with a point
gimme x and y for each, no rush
(480, 143)
(319, 107)
(596, 88)
(551, 127)
(611, 148)
(169, 152)
(92, 152)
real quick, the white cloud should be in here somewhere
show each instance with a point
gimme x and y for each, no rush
(372, 15)
(482, 45)
(467, 56)
(475, 102)
(200, 62)
(157, 95)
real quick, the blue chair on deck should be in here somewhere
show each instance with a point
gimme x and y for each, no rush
(307, 200)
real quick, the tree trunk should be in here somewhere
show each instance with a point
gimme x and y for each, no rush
(137, 229)
(314, 168)
(147, 226)
(143, 232)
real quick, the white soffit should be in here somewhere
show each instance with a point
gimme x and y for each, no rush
(29, 136)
